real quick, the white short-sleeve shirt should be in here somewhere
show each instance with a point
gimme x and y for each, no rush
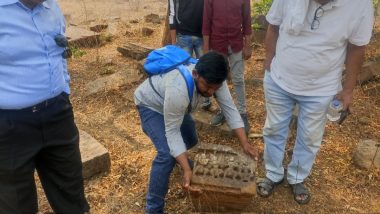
(311, 63)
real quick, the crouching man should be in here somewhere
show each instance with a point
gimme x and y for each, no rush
(164, 106)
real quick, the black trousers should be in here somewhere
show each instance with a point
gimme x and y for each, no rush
(43, 138)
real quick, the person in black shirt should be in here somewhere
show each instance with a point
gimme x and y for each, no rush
(185, 20)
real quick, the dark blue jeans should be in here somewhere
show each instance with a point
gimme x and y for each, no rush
(191, 44)
(153, 125)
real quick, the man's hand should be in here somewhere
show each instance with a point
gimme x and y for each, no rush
(187, 174)
(247, 52)
(247, 148)
(251, 151)
(346, 98)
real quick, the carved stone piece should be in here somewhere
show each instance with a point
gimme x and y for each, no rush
(226, 178)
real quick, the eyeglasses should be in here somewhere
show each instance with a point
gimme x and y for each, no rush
(317, 15)
(62, 42)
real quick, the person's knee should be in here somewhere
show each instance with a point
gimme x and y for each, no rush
(274, 128)
(311, 133)
(312, 141)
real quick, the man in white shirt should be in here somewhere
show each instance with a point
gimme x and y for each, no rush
(308, 44)
(164, 106)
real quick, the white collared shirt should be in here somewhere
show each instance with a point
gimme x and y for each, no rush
(311, 63)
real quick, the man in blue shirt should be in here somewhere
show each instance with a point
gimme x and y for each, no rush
(37, 129)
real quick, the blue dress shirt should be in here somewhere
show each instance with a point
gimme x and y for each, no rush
(32, 68)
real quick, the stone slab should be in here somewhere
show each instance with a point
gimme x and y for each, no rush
(134, 51)
(367, 154)
(370, 71)
(113, 81)
(153, 18)
(145, 31)
(98, 27)
(81, 37)
(202, 119)
(226, 178)
(95, 157)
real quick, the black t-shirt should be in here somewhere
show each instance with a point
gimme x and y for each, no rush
(186, 16)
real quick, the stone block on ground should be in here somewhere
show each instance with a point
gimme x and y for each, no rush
(81, 37)
(98, 27)
(226, 178)
(202, 119)
(153, 18)
(95, 158)
(129, 33)
(370, 71)
(367, 154)
(134, 21)
(145, 31)
(113, 81)
(134, 51)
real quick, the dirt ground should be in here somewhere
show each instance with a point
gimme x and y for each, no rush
(336, 185)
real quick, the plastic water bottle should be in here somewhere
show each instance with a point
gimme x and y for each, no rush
(333, 113)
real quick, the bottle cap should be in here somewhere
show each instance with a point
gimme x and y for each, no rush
(336, 103)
